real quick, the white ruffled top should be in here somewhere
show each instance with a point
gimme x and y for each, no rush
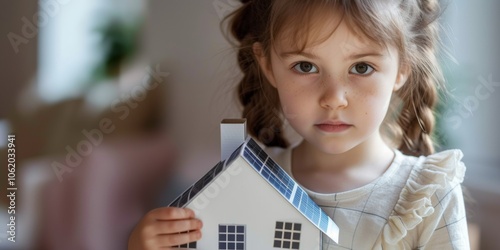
(416, 204)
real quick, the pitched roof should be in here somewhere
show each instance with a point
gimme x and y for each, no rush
(256, 157)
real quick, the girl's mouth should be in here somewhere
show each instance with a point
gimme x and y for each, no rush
(333, 127)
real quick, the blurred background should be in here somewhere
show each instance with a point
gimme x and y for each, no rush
(115, 106)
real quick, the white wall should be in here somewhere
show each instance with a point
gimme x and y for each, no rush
(472, 121)
(184, 36)
(474, 39)
(474, 44)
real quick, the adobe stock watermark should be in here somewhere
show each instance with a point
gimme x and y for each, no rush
(94, 137)
(483, 91)
(30, 27)
(224, 7)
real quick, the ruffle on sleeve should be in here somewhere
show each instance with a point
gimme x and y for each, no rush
(436, 172)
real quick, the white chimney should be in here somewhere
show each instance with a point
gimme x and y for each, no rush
(233, 133)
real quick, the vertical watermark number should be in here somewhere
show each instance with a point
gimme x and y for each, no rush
(11, 187)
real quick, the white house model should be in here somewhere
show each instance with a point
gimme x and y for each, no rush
(248, 202)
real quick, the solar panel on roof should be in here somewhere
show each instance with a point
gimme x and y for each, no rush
(276, 176)
(285, 185)
(194, 189)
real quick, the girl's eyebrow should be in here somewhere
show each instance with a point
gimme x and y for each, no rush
(287, 54)
(361, 55)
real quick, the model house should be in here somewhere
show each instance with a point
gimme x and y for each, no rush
(249, 202)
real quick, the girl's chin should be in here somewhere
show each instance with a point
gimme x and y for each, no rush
(331, 148)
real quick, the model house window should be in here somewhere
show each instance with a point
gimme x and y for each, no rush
(191, 245)
(287, 235)
(231, 237)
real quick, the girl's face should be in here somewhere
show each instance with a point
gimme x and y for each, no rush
(335, 94)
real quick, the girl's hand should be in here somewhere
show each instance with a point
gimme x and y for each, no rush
(164, 228)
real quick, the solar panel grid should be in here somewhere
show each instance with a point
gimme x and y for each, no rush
(324, 222)
(280, 173)
(194, 189)
(284, 184)
(255, 153)
(255, 148)
(315, 215)
(252, 159)
(296, 198)
(276, 182)
(302, 207)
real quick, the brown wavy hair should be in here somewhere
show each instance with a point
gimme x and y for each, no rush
(409, 25)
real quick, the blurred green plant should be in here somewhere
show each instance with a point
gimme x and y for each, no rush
(119, 42)
(454, 79)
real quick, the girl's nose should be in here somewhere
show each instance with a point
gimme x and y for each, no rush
(334, 95)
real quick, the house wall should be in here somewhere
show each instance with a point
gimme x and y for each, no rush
(260, 209)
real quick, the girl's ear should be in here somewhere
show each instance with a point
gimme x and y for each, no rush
(403, 74)
(264, 62)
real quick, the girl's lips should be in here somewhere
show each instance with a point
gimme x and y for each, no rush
(333, 127)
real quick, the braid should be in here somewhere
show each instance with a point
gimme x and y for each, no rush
(419, 95)
(412, 28)
(261, 106)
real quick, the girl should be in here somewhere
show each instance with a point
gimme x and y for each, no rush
(357, 80)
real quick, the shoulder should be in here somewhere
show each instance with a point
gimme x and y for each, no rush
(432, 189)
(442, 170)
(439, 178)
(433, 174)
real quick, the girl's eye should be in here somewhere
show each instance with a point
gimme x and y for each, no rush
(305, 68)
(361, 69)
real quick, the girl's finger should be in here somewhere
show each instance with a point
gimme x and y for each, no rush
(172, 213)
(170, 240)
(176, 226)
